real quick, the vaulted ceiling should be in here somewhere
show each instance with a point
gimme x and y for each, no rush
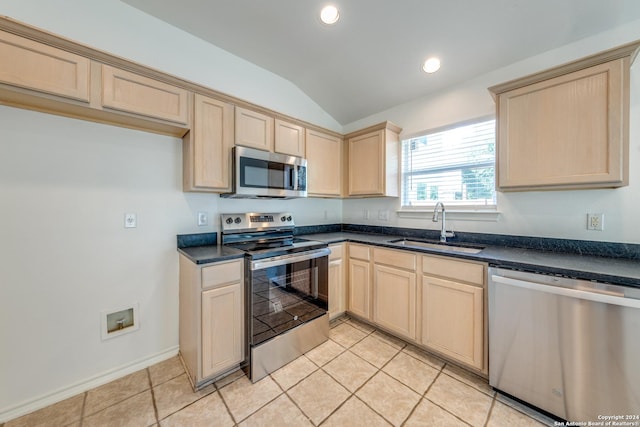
(371, 59)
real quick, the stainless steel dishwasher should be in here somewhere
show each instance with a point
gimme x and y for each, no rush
(570, 347)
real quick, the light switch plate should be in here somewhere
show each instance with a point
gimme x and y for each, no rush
(203, 219)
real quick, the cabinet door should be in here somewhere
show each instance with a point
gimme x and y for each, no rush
(359, 288)
(366, 164)
(36, 66)
(133, 93)
(452, 319)
(324, 164)
(289, 138)
(207, 148)
(337, 304)
(254, 129)
(565, 132)
(394, 305)
(222, 329)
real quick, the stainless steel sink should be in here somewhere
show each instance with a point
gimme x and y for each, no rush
(439, 246)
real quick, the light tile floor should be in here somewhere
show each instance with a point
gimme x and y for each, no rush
(360, 377)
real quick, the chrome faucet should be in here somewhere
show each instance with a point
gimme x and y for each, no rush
(443, 231)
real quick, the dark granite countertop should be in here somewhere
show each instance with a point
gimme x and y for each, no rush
(210, 253)
(588, 267)
(559, 259)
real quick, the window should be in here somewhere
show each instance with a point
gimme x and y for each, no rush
(455, 166)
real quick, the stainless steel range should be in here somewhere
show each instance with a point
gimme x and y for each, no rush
(286, 281)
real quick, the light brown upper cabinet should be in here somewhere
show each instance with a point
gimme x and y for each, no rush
(373, 161)
(254, 129)
(289, 138)
(566, 128)
(32, 65)
(324, 164)
(206, 149)
(133, 93)
(36, 73)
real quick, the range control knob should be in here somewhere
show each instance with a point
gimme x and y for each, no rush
(238, 220)
(283, 219)
(229, 220)
(289, 218)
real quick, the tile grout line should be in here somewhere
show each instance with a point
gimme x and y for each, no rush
(353, 394)
(84, 404)
(224, 402)
(424, 395)
(442, 372)
(153, 396)
(493, 403)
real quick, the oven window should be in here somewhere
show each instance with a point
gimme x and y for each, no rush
(287, 296)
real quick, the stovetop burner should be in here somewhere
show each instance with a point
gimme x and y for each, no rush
(264, 235)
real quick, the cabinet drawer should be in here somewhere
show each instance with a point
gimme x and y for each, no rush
(33, 65)
(336, 251)
(222, 274)
(132, 93)
(397, 259)
(359, 252)
(453, 269)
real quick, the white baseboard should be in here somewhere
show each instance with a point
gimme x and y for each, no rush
(61, 394)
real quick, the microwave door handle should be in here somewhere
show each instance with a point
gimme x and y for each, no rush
(294, 172)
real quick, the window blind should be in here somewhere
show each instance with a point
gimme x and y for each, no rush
(455, 166)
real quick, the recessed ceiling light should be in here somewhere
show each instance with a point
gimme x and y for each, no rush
(329, 14)
(431, 65)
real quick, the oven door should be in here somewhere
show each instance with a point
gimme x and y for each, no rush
(286, 292)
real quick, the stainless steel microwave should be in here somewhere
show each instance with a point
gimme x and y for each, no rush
(258, 173)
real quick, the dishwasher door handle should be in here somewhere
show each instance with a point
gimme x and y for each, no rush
(567, 292)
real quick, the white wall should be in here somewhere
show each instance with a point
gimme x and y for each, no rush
(65, 255)
(557, 214)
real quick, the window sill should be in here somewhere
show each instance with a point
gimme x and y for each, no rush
(488, 215)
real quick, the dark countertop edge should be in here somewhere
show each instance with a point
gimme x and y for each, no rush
(490, 256)
(209, 254)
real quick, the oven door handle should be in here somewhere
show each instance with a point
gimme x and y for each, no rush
(289, 259)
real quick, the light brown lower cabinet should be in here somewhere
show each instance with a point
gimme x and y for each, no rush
(453, 319)
(221, 329)
(360, 281)
(436, 302)
(211, 319)
(337, 285)
(394, 306)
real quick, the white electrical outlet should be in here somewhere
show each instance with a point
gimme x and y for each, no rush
(365, 214)
(130, 220)
(383, 215)
(595, 221)
(203, 219)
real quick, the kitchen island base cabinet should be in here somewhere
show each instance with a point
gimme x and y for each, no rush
(212, 327)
